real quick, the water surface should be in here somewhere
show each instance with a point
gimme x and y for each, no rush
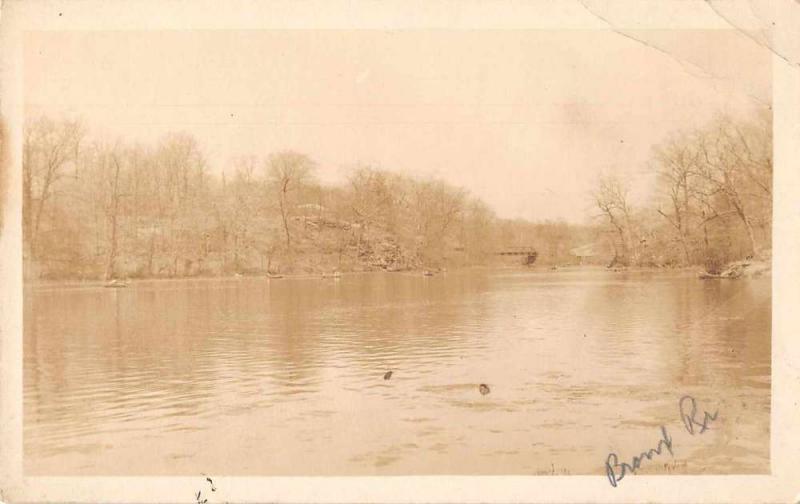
(285, 377)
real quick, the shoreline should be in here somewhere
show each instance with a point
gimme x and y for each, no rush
(326, 276)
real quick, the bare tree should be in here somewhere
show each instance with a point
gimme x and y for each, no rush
(370, 199)
(113, 214)
(287, 172)
(677, 162)
(437, 210)
(611, 198)
(48, 147)
(723, 171)
(477, 230)
(183, 187)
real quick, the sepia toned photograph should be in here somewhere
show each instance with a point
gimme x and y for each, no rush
(325, 253)
(395, 252)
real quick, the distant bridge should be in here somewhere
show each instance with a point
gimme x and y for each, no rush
(528, 253)
(517, 251)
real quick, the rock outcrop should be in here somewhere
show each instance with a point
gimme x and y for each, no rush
(741, 269)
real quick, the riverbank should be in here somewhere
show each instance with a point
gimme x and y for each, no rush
(748, 268)
(740, 269)
(326, 276)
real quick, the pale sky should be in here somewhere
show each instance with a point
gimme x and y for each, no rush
(525, 120)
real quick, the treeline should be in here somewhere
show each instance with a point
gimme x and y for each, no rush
(96, 209)
(108, 210)
(714, 199)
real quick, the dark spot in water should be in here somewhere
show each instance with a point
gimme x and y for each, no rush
(387, 375)
(484, 389)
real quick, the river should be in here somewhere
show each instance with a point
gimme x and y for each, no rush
(252, 376)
